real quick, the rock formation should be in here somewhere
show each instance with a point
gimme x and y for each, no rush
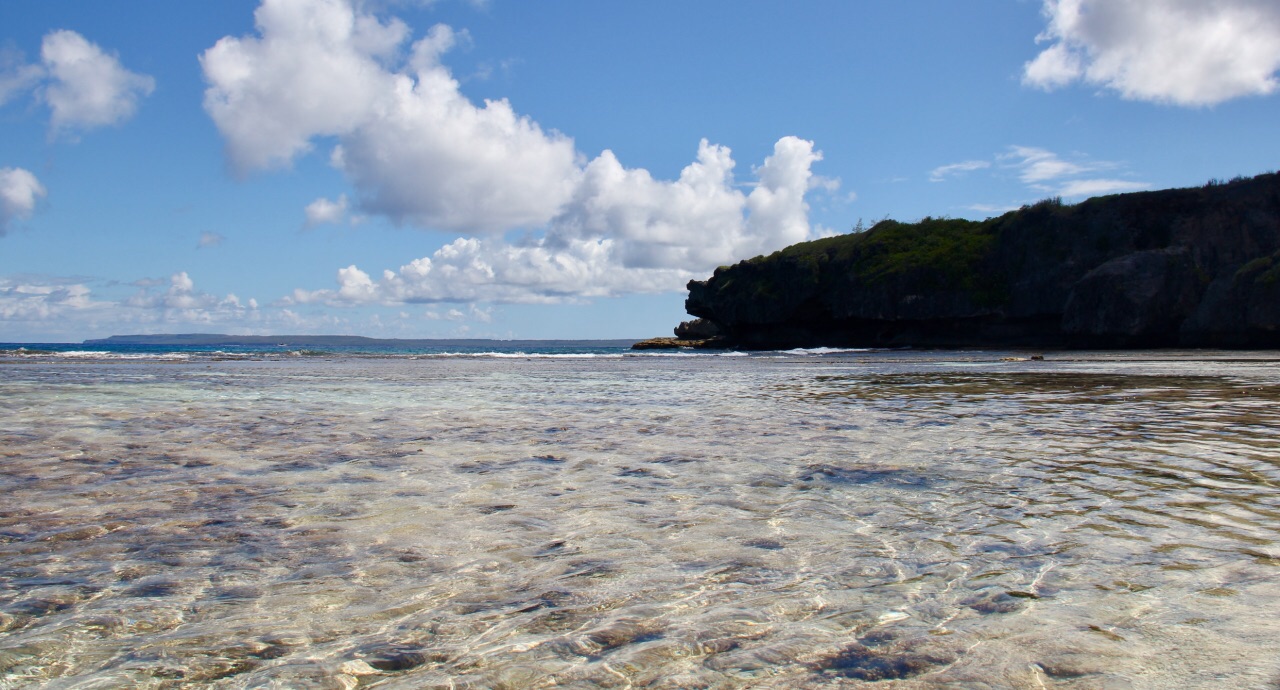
(1193, 267)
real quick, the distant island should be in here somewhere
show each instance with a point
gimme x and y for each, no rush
(1197, 267)
(346, 341)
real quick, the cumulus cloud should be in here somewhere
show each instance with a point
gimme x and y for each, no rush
(39, 308)
(315, 70)
(487, 270)
(323, 211)
(83, 85)
(418, 151)
(41, 300)
(179, 294)
(86, 87)
(623, 232)
(174, 299)
(1185, 52)
(19, 193)
(697, 221)
(434, 159)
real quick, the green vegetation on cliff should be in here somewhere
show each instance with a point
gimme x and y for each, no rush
(939, 253)
(933, 255)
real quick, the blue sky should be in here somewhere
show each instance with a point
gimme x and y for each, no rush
(561, 169)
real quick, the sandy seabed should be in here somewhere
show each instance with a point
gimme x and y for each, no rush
(912, 520)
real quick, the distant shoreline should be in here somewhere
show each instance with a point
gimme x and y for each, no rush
(218, 339)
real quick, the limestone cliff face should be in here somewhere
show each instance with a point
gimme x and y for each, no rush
(1179, 267)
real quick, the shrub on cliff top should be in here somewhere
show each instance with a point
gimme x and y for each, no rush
(936, 253)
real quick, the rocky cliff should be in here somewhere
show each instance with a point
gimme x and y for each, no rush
(1173, 268)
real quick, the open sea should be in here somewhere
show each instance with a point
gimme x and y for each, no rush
(590, 517)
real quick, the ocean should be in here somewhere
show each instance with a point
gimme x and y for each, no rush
(592, 517)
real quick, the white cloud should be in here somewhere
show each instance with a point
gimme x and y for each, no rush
(1096, 187)
(315, 70)
(176, 300)
(1038, 165)
(695, 222)
(418, 151)
(210, 239)
(322, 211)
(19, 193)
(180, 294)
(15, 75)
(36, 300)
(1185, 52)
(473, 313)
(1046, 172)
(777, 214)
(830, 185)
(942, 172)
(486, 270)
(481, 315)
(623, 232)
(992, 208)
(415, 148)
(355, 285)
(87, 87)
(57, 309)
(436, 160)
(50, 307)
(1055, 67)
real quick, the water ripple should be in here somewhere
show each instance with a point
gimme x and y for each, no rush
(915, 521)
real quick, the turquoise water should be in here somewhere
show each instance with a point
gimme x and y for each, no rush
(201, 352)
(609, 520)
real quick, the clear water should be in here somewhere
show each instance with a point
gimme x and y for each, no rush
(912, 520)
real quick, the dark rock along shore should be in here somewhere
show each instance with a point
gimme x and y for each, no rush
(1196, 267)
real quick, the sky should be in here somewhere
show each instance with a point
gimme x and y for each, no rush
(561, 169)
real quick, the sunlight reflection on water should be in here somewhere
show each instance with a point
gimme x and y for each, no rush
(652, 522)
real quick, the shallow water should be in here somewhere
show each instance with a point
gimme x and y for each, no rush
(912, 520)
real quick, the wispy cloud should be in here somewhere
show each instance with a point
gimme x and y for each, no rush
(942, 172)
(1094, 187)
(1039, 165)
(992, 208)
(473, 313)
(1046, 172)
(16, 76)
(210, 239)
